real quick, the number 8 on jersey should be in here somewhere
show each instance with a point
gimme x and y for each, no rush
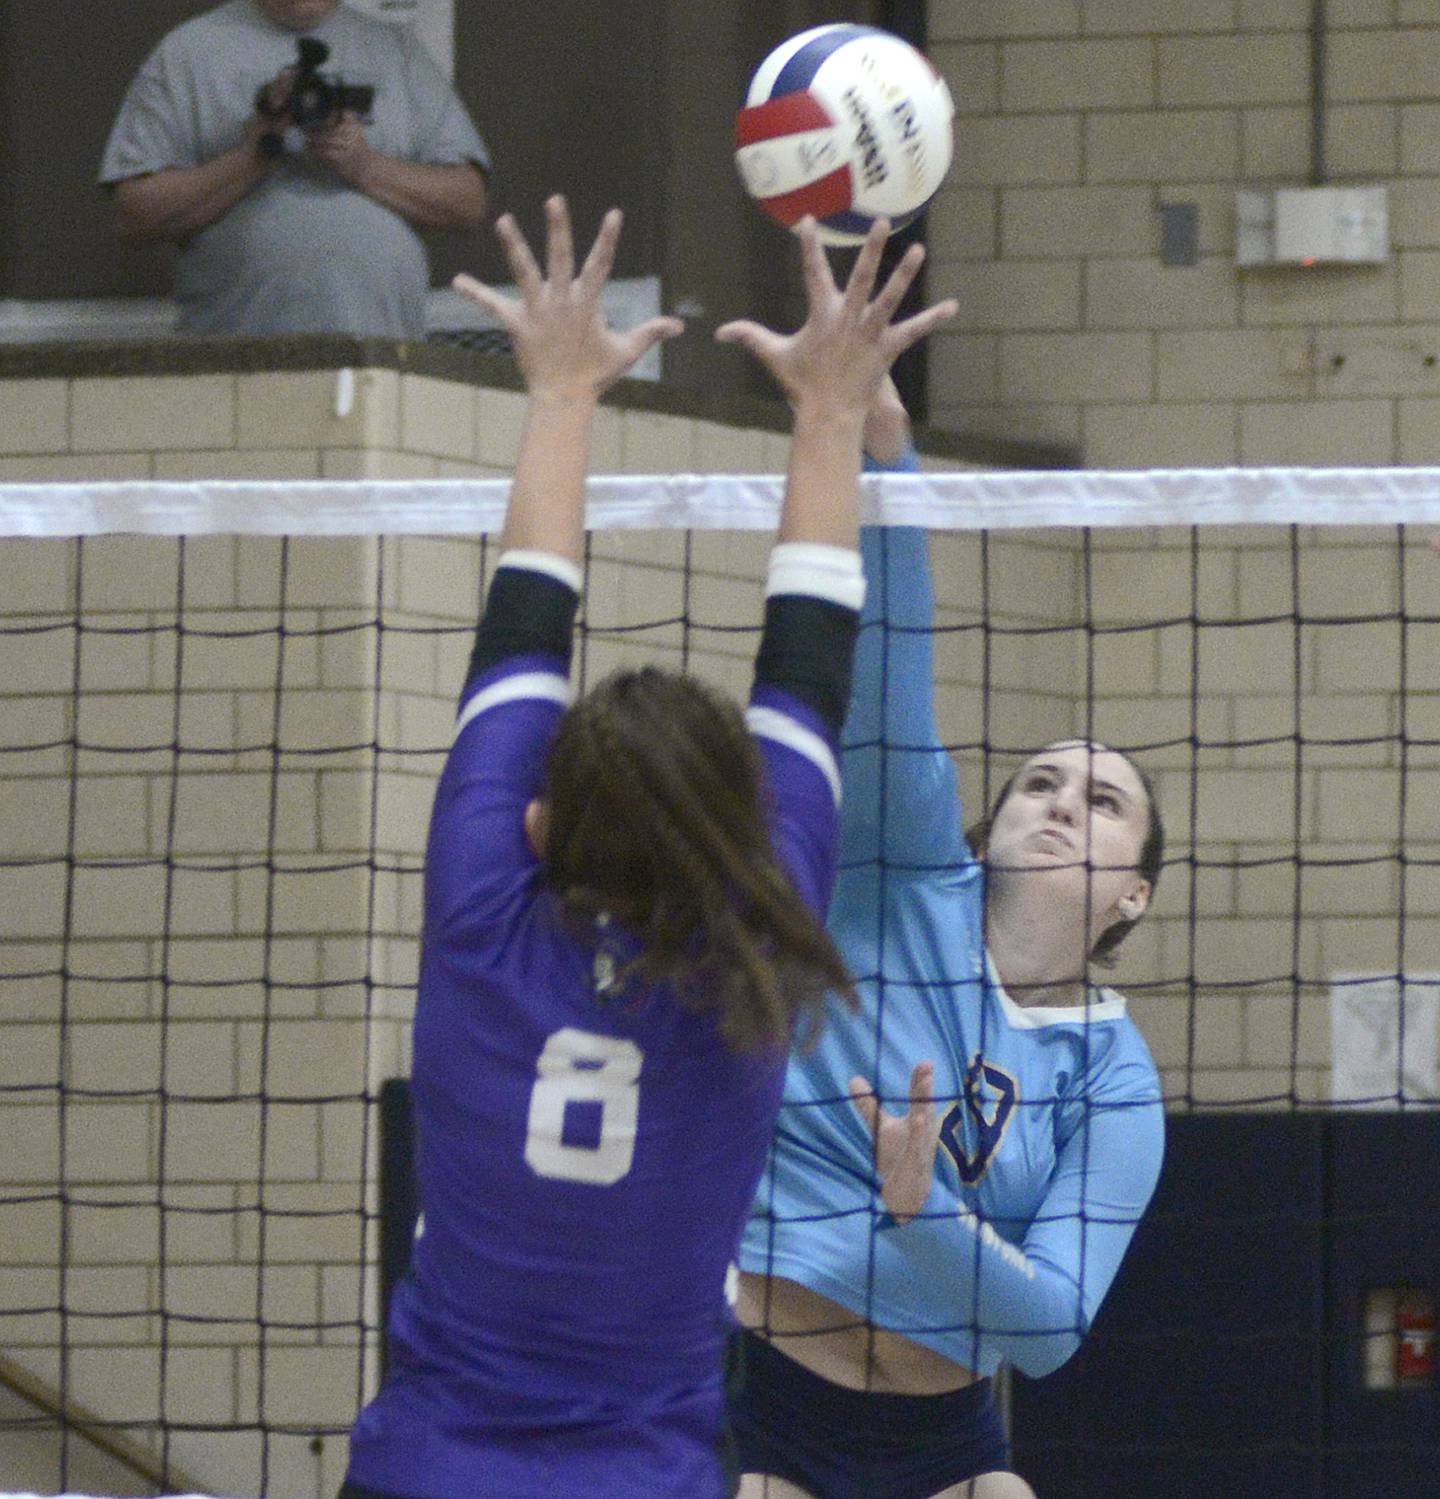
(579, 1067)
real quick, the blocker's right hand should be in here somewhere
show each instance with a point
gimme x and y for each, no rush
(838, 359)
(563, 344)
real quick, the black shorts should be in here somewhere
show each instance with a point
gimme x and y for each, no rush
(846, 1444)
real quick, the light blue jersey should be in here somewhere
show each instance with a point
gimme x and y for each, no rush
(1053, 1127)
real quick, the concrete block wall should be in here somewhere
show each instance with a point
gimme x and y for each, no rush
(189, 959)
(1077, 119)
(217, 1268)
(283, 425)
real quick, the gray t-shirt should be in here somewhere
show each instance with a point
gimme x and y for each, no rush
(303, 252)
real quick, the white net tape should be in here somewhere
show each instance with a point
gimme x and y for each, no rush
(961, 501)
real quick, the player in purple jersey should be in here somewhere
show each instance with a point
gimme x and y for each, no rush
(898, 1254)
(622, 931)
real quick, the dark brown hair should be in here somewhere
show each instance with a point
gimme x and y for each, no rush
(657, 816)
(1150, 862)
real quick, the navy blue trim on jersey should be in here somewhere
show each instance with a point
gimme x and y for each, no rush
(837, 1443)
(526, 613)
(807, 650)
(801, 68)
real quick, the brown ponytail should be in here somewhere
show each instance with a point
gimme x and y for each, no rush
(657, 817)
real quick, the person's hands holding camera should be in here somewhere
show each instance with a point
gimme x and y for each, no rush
(272, 100)
(341, 144)
(271, 116)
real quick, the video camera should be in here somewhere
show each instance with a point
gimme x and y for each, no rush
(315, 98)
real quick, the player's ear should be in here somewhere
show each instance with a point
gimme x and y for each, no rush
(537, 827)
(1134, 902)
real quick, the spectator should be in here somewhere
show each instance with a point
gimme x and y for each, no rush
(284, 230)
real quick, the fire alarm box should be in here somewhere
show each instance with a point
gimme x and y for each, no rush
(1400, 1341)
(1414, 1339)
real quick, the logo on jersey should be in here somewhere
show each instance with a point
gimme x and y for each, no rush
(991, 1095)
(604, 970)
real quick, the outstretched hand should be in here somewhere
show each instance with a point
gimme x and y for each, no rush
(562, 342)
(905, 1144)
(838, 358)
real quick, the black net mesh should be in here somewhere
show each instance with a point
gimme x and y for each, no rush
(216, 759)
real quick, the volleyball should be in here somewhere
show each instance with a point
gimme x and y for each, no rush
(848, 124)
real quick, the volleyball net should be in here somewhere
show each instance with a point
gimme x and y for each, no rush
(224, 710)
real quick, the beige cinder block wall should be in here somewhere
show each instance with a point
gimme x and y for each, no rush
(216, 1258)
(1076, 119)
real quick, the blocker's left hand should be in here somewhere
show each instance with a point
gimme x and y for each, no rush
(905, 1143)
(564, 346)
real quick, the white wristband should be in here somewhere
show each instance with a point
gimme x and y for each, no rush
(822, 572)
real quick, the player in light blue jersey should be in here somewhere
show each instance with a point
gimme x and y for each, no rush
(959, 1167)
(623, 905)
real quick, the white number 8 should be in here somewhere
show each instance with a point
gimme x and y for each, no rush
(579, 1067)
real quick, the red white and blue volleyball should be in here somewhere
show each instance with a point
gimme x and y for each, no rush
(848, 124)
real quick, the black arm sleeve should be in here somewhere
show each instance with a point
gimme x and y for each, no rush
(807, 649)
(526, 613)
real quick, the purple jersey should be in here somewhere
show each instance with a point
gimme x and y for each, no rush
(586, 1157)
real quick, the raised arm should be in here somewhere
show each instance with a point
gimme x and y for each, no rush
(517, 685)
(831, 371)
(569, 356)
(901, 796)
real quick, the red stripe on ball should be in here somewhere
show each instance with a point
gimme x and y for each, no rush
(787, 115)
(826, 195)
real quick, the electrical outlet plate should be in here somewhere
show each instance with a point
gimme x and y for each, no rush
(1312, 226)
